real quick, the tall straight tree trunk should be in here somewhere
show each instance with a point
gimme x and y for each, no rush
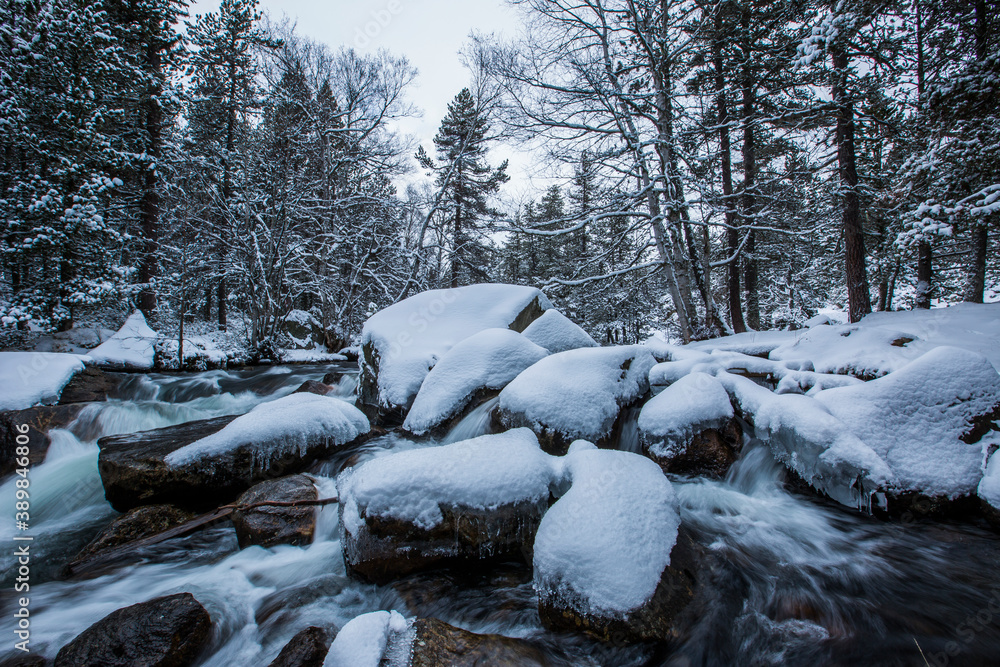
(976, 285)
(749, 202)
(925, 254)
(858, 292)
(732, 233)
(227, 189)
(149, 205)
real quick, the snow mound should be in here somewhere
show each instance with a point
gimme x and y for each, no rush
(287, 424)
(864, 352)
(607, 541)
(807, 439)
(131, 348)
(403, 342)
(970, 326)
(30, 378)
(753, 343)
(489, 359)
(484, 472)
(365, 640)
(578, 393)
(672, 418)
(557, 333)
(920, 419)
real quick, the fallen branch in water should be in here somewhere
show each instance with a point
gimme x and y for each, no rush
(280, 503)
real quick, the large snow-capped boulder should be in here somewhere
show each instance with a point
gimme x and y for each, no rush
(472, 500)
(202, 464)
(925, 420)
(131, 348)
(483, 362)
(690, 427)
(607, 559)
(401, 344)
(33, 378)
(557, 333)
(578, 394)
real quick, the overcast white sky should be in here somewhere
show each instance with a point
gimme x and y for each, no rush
(430, 33)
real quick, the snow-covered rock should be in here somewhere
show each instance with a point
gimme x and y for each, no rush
(201, 464)
(989, 488)
(810, 441)
(925, 420)
(970, 326)
(488, 360)
(386, 639)
(864, 352)
(603, 553)
(304, 331)
(403, 342)
(131, 348)
(557, 333)
(577, 394)
(474, 499)
(371, 640)
(690, 427)
(32, 378)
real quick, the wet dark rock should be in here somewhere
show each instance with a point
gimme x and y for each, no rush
(40, 420)
(313, 387)
(90, 385)
(437, 643)
(710, 452)
(333, 377)
(386, 548)
(134, 525)
(654, 621)
(269, 526)
(169, 631)
(308, 648)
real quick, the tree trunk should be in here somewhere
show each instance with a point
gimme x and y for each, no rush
(925, 275)
(976, 285)
(149, 205)
(858, 293)
(925, 254)
(732, 233)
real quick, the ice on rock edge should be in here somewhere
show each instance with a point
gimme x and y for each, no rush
(132, 347)
(687, 407)
(30, 378)
(607, 541)
(484, 472)
(989, 486)
(365, 640)
(285, 425)
(408, 338)
(557, 333)
(916, 417)
(579, 393)
(489, 359)
(811, 442)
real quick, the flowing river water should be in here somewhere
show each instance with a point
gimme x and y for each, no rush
(788, 579)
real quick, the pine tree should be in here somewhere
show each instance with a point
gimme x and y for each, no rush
(467, 182)
(224, 65)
